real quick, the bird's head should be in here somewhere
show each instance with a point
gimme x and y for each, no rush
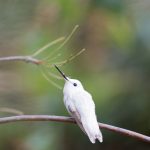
(71, 85)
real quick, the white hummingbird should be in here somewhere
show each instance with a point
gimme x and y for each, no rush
(81, 107)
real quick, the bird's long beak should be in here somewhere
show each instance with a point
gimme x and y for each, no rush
(64, 76)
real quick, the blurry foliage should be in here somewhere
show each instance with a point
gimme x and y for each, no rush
(114, 69)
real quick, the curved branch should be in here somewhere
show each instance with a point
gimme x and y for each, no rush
(71, 120)
(27, 59)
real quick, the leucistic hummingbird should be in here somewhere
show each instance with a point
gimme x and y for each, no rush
(81, 107)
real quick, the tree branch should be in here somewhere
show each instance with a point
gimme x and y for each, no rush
(27, 59)
(71, 120)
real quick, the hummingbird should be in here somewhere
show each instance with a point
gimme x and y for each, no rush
(81, 107)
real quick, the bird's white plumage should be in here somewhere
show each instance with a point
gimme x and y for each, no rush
(80, 105)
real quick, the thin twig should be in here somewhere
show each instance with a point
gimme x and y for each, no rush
(66, 40)
(70, 58)
(71, 120)
(11, 110)
(47, 46)
(27, 59)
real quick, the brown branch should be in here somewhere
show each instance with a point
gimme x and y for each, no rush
(71, 120)
(27, 59)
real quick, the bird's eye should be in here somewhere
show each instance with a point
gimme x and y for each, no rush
(74, 84)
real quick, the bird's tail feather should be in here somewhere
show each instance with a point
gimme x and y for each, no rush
(99, 137)
(92, 140)
(92, 131)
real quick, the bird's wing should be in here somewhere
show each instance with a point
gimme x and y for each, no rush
(85, 106)
(84, 103)
(75, 114)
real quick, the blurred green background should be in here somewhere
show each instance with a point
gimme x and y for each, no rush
(115, 69)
